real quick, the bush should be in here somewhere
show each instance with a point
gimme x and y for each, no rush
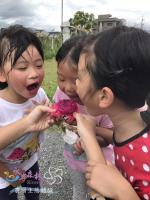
(50, 45)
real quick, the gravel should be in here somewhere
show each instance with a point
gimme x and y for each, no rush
(55, 180)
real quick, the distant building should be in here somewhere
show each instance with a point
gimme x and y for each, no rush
(65, 29)
(53, 35)
(103, 22)
(106, 21)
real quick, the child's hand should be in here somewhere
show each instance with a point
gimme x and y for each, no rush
(79, 147)
(85, 124)
(39, 118)
(106, 179)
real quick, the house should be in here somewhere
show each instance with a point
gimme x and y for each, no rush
(106, 21)
(65, 29)
(103, 22)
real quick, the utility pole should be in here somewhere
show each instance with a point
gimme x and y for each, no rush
(62, 5)
(62, 9)
(142, 22)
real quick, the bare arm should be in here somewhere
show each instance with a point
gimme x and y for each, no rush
(36, 121)
(87, 131)
(102, 177)
(104, 135)
(12, 132)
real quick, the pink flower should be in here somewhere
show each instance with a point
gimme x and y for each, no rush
(64, 110)
(16, 154)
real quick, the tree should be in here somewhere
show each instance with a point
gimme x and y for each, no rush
(82, 22)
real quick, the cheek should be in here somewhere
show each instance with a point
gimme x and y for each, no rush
(41, 75)
(16, 78)
(86, 94)
(60, 84)
(78, 87)
(81, 87)
(81, 91)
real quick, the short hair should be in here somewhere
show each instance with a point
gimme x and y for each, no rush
(71, 49)
(16, 38)
(119, 58)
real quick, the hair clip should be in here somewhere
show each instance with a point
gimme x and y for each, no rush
(120, 72)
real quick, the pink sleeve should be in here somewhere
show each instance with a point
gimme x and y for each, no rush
(59, 95)
(144, 108)
(104, 121)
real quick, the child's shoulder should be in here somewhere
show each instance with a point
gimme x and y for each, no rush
(3, 98)
(40, 96)
(104, 121)
(59, 95)
(2, 93)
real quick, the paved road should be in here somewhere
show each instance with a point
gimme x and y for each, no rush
(55, 178)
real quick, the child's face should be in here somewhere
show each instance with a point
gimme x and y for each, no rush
(25, 78)
(66, 76)
(85, 89)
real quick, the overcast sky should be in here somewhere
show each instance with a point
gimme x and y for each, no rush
(46, 14)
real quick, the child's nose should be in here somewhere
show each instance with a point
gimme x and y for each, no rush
(33, 73)
(70, 88)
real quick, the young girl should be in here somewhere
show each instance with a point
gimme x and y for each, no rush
(113, 78)
(22, 72)
(67, 59)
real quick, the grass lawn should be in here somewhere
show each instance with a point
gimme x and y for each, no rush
(50, 80)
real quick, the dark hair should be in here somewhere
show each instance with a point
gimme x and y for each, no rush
(76, 51)
(17, 38)
(71, 49)
(119, 58)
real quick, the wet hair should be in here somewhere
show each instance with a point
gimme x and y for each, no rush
(71, 50)
(16, 39)
(119, 58)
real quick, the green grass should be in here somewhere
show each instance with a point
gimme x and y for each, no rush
(50, 80)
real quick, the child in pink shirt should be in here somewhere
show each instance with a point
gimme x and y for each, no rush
(67, 60)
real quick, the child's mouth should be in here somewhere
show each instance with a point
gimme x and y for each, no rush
(33, 87)
(76, 98)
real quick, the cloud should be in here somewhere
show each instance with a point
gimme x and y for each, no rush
(36, 13)
(21, 9)
(46, 14)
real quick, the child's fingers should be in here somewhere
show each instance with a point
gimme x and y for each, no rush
(88, 169)
(78, 145)
(88, 176)
(91, 163)
(44, 109)
(77, 149)
(77, 116)
(47, 102)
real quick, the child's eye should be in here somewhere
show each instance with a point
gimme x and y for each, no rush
(39, 66)
(62, 80)
(21, 68)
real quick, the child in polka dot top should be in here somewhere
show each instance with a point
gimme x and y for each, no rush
(113, 78)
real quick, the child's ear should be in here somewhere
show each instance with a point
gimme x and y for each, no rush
(106, 97)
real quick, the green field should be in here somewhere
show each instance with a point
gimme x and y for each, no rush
(50, 80)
